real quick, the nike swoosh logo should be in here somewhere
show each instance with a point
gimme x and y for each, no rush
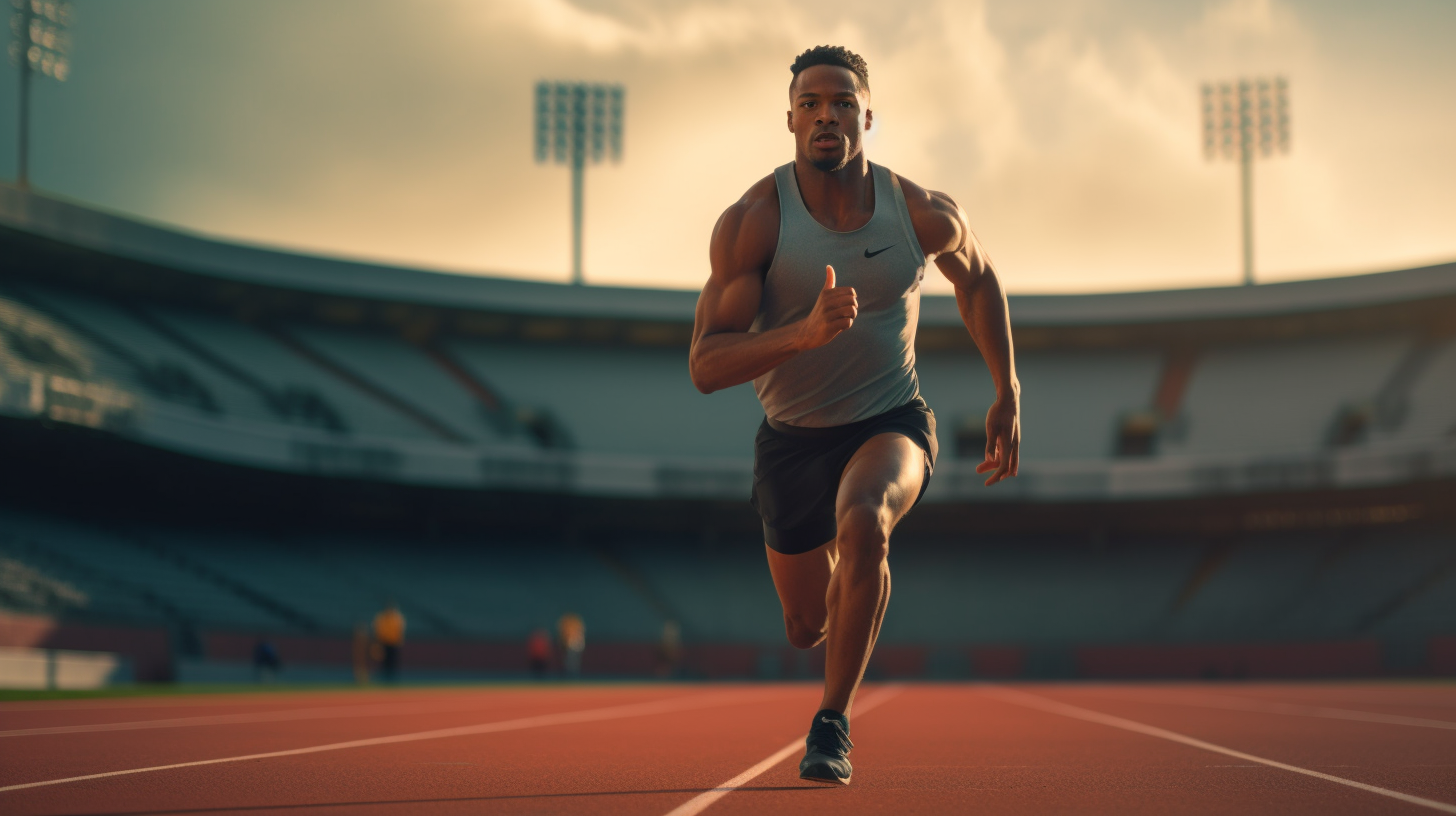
(869, 254)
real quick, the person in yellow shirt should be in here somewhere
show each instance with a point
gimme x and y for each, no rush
(572, 631)
(389, 634)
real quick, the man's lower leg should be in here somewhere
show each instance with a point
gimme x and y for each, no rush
(859, 593)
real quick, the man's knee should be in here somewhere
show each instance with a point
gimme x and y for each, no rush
(804, 632)
(864, 532)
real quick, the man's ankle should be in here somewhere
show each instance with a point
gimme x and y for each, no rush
(829, 713)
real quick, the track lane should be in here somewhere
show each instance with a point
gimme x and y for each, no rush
(641, 764)
(935, 749)
(953, 749)
(1411, 760)
(40, 758)
(27, 715)
(455, 706)
(1421, 693)
(795, 749)
(1421, 699)
(1215, 699)
(1044, 702)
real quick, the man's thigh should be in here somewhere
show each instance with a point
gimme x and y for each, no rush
(886, 472)
(889, 469)
(802, 580)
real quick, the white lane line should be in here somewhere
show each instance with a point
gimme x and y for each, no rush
(277, 715)
(196, 700)
(1078, 713)
(699, 803)
(680, 703)
(1236, 703)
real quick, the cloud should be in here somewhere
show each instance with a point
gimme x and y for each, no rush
(1068, 131)
(651, 29)
(1260, 19)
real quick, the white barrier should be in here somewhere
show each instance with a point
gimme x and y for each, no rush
(61, 669)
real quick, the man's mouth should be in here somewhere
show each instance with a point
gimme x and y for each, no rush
(826, 140)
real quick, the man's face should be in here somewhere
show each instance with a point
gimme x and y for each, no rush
(829, 116)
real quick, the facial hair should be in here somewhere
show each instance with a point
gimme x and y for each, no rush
(830, 164)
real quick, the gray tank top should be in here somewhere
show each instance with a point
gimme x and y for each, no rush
(870, 367)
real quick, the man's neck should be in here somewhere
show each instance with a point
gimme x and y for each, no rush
(842, 199)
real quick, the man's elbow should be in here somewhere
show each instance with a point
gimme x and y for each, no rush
(699, 378)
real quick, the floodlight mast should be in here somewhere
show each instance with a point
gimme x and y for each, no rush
(40, 43)
(1237, 120)
(22, 45)
(577, 122)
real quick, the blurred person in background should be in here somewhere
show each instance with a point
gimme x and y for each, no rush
(571, 630)
(266, 662)
(814, 297)
(669, 650)
(389, 635)
(538, 653)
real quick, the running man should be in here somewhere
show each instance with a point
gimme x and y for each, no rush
(814, 296)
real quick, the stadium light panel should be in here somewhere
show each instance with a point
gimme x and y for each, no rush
(578, 123)
(598, 122)
(1241, 120)
(543, 121)
(614, 121)
(39, 44)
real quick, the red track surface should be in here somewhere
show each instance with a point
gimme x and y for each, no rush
(926, 749)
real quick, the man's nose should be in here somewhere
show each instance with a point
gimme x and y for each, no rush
(826, 116)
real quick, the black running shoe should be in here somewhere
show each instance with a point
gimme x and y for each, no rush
(827, 757)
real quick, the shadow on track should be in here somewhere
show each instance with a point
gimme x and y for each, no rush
(386, 802)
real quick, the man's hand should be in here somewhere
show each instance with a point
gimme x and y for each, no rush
(833, 312)
(1003, 439)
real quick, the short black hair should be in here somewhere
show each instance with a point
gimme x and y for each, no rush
(836, 55)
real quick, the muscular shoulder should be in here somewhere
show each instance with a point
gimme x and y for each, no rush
(747, 233)
(940, 224)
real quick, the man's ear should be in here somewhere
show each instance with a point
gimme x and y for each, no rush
(789, 116)
(869, 118)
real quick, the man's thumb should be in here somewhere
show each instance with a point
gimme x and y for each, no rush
(828, 277)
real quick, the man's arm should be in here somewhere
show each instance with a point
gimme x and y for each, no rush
(724, 352)
(945, 235)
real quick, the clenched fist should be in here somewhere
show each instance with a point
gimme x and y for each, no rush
(833, 312)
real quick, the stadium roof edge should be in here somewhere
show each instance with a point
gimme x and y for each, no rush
(177, 249)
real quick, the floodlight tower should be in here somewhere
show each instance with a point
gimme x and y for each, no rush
(39, 44)
(1239, 118)
(576, 121)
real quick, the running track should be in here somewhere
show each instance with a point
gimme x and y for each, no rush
(1249, 749)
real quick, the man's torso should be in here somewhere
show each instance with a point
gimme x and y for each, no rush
(870, 367)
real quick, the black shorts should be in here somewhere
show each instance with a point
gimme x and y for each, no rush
(796, 471)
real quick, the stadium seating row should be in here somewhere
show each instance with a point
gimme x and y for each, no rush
(1000, 590)
(1269, 398)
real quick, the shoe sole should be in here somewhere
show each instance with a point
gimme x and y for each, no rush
(821, 780)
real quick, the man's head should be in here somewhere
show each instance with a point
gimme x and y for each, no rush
(829, 105)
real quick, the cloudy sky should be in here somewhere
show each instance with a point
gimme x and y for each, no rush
(1068, 129)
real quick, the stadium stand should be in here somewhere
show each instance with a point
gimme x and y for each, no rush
(500, 589)
(1423, 404)
(147, 583)
(1085, 395)
(1282, 397)
(619, 400)
(232, 350)
(218, 442)
(157, 366)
